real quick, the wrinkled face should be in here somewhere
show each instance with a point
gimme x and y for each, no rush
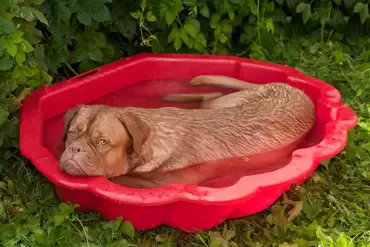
(97, 142)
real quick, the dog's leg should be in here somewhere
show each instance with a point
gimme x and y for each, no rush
(148, 180)
(186, 97)
(222, 81)
(216, 99)
(230, 100)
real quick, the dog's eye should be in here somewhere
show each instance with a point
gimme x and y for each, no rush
(103, 142)
(71, 133)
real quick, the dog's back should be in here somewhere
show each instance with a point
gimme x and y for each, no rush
(256, 120)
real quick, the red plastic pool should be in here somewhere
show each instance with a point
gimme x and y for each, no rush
(141, 80)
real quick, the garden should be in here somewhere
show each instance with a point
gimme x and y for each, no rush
(47, 41)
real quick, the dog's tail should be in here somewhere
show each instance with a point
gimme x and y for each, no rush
(222, 81)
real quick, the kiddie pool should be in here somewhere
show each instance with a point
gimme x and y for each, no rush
(141, 80)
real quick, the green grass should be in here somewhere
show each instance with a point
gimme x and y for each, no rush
(331, 209)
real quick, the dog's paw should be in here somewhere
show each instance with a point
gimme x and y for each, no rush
(200, 80)
(173, 97)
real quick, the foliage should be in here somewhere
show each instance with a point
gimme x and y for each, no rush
(45, 41)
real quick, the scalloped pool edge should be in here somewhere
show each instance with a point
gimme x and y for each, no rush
(345, 119)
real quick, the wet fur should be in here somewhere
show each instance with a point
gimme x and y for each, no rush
(165, 142)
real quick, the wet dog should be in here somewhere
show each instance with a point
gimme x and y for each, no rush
(142, 147)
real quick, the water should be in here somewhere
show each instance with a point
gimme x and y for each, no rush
(148, 94)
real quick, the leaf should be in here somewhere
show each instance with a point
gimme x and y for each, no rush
(270, 7)
(11, 188)
(37, 2)
(64, 12)
(95, 54)
(128, 229)
(34, 36)
(80, 55)
(40, 16)
(296, 210)
(364, 14)
(194, 22)
(178, 43)
(217, 239)
(323, 238)
(150, 17)
(231, 15)
(301, 7)
(100, 40)
(143, 4)
(3, 116)
(191, 30)
(100, 13)
(173, 34)
(119, 243)
(10, 3)
(116, 224)
(313, 49)
(66, 209)
(30, 14)
(19, 75)
(178, 6)
(58, 219)
(170, 16)
(135, 15)
(84, 18)
(252, 6)
(338, 2)
(127, 27)
(12, 49)
(306, 14)
(2, 208)
(228, 234)
(190, 43)
(227, 27)
(349, 4)
(223, 38)
(96, 9)
(15, 37)
(198, 47)
(285, 244)
(184, 36)
(6, 26)
(269, 24)
(215, 19)
(40, 236)
(358, 7)
(202, 39)
(280, 2)
(6, 63)
(204, 11)
(363, 9)
(190, 3)
(26, 91)
(46, 77)
(26, 46)
(20, 57)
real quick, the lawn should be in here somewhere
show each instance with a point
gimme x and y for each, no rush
(331, 208)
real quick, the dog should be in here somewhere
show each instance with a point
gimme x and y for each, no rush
(147, 148)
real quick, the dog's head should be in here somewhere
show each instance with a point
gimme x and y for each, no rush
(100, 140)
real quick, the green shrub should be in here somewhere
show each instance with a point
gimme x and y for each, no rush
(42, 42)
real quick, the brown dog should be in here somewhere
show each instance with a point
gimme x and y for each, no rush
(155, 147)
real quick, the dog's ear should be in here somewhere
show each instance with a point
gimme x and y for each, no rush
(68, 117)
(137, 129)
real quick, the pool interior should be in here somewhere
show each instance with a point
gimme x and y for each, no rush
(148, 94)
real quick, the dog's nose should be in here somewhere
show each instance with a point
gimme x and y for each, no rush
(75, 148)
